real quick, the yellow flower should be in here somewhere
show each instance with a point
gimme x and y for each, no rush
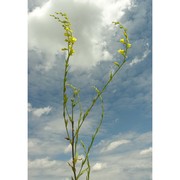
(128, 45)
(67, 29)
(73, 39)
(121, 51)
(122, 41)
(72, 51)
(66, 34)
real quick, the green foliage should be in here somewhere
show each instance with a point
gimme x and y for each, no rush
(72, 132)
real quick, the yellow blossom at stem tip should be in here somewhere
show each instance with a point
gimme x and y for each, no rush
(122, 41)
(121, 51)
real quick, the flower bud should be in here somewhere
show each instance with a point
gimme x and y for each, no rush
(73, 40)
(129, 45)
(64, 49)
(121, 51)
(122, 41)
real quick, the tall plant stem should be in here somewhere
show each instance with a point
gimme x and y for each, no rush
(89, 109)
(72, 131)
(72, 144)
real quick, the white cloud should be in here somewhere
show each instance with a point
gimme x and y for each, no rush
(57, 126)
(42, 163)
(115, 144)
(68, 149)
(137, 60)
(29, 107)
(41, 111)
(47, 146)
(112, 9)
(38, 112)
(99, 166)
(146, 151)
(89, 20)
(51, 136)
(127, 165)
(127, 162)
(32, 4)
(47, 168)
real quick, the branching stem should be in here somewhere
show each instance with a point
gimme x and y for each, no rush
(68, 117)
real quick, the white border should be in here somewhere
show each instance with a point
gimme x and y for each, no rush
(13, 94)
(166, 90)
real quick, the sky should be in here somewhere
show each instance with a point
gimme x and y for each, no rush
(123, 148)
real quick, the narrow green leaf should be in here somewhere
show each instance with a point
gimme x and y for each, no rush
(115, 23)
(97, 90)
(70, 165)
(64, 49)
(83, 145)
(83, 171)
(121, 27)
(111, 75)
(117, 64)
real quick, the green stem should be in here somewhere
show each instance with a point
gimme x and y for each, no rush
(65, 96)
(99, 94)
(72, 144)
(79, 120)
(91, 144)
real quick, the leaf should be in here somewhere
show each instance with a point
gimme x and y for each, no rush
(83, 171)
(64, 49)
(97, 90)
(64, 21)
(117, 64)
(77, 154)
(76, 158)
(67, 138)
(83, 145)
(115, 23)
(111, 75)
(70, 165)
(121, 27)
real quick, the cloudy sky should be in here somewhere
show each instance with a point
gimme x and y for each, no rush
(123, 147)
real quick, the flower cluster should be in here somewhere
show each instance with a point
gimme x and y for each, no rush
(124, 41)
(70, 39)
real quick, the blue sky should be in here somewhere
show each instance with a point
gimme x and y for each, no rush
(123, 147)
